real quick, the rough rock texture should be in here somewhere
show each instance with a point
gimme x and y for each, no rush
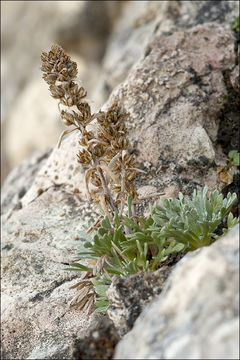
(176, 94)
(37, 241)
(20, 180)
(181, 85)
(173, 96)
(197, 314)
(97, 343)
(129, 296)
(118, 31)
(142, 21)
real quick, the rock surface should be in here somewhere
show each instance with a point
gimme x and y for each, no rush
(128, 296)
(20, 180)
(119, 32)
(37, 241)
(97, 343)
(174, 93)
(197, 314)
(141, 22)
(173, 96)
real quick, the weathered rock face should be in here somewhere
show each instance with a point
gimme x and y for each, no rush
(192, 112)
(37, 241)
(97, 343)
(174, 94)
(196, 315)
(141, 22)
(128, 296)
(181, 85)
(14, 187)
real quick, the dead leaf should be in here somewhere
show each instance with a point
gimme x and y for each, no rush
(224, 175)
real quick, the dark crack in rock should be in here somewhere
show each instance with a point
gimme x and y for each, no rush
(98, 344)
(129, 296)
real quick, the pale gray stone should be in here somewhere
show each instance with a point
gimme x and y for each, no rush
(37, 240)
(174, 98)
(197, 314)
(128, 296)
(139, 24)
(173, 108)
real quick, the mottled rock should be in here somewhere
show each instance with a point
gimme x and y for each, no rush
(174, 96)
(61, 169)
(37, 240)
(20, 180)
(141, 22)
(196, 315)
(23, 39)
(98, 342)
(128, 296)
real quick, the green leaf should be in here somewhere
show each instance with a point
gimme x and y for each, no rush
(101, 308)
(236, 160)
(232, 153)
(130, 223)
(236, 25)
(105, 223)
(129, 202)
(101, 289)
(232, 221)
(81, 267)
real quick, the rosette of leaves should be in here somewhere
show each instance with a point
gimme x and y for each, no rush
(193, 222)
(132, 244)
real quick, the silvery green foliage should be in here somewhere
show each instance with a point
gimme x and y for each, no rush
(132, 244)
(193, 222)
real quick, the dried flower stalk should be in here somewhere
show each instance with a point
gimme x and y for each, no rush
(110, 168)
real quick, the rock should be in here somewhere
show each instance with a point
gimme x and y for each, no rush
(40, 128)
(37, 240)
(23, 40)
(141, 22)
(196, 315)
(174, 96)
(61, 169)
(90, 28)
(20, 180)
(128, 296)
(99, 343)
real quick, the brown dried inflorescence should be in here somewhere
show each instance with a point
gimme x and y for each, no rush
(110, 168)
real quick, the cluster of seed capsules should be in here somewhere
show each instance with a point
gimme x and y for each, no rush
(109, 167)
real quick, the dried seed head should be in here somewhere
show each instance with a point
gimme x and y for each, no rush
(109, 166)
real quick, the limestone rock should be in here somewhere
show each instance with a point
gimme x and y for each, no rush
(37, 240)
(23, 39)
(128, 296)
(20, 180)
(139, 23)
(29, 114)
(39, 129)
(196, 315)
(174, 96)
(98, 342)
